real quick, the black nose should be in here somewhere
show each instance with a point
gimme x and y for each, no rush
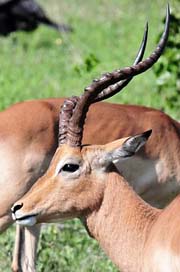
(16, 207)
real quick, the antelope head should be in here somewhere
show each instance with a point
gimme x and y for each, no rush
(75, 182)
(76, 179)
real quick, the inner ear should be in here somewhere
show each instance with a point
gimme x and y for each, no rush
(125, 148)
(134, 143)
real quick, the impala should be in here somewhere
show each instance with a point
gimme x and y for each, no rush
(29, 140)
(83, 181)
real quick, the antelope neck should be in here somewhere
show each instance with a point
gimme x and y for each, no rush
(122, 223)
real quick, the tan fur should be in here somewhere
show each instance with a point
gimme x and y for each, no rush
(28, 140)
(133, 234)
(28, 135)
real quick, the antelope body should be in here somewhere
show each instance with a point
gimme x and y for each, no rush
(28, 140)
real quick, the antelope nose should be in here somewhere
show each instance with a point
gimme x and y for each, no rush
(16, 207)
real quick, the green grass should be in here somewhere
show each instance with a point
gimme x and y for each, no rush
(106, 36)
(46, 64)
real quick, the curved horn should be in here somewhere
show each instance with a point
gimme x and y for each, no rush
(75, 126)
(114, 89)
(113, 78)
(70, 103)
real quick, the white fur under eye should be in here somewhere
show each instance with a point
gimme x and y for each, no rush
(58, 167)
(62, 163)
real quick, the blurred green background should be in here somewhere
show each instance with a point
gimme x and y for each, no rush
(44, 63)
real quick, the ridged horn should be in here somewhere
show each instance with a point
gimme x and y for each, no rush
(94, 93)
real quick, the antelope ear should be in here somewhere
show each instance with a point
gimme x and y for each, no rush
(125, 148)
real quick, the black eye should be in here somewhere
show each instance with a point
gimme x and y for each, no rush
(69, 167)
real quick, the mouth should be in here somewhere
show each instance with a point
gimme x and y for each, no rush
(27, 220)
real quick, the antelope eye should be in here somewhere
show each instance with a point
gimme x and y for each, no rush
(70, 167)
